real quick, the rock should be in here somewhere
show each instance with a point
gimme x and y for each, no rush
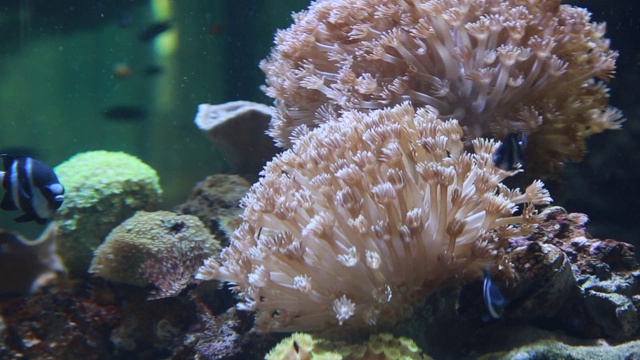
(526, 343)
(568, 280)
(545, 280)
(27, 265)
(238, 130)
(215, 201)
(615, 313)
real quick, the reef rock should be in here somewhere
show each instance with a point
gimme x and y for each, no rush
(568, 280)
(528, 343)
(56, 326)
(215, 201)
(27, 265)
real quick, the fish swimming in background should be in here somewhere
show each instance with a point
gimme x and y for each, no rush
(154, 30)
(152, 69)
(122, 70)
(510, 153)
(493, 299)
(125, 112)
(31, 186)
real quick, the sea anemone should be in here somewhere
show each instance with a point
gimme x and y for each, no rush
(498, 66)
(367, 215)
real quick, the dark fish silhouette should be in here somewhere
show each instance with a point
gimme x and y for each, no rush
(152, 70)
(125, 112)
(154, 30)
(511, 152)
(31, 186)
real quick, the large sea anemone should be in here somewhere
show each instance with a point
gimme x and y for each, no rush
(367, 215)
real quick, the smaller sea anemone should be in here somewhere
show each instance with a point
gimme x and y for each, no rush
(365, 216)
(161, 248)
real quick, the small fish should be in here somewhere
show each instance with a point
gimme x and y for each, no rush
(153, 69)
(511, 152)
(122, 70)
(125, 112)
(154, 30)
(493, 299)
(31, 186)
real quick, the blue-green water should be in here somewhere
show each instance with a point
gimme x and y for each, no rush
(79, 75)
(59, 72)
(62, 66)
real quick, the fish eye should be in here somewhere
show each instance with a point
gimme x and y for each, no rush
(56, 189)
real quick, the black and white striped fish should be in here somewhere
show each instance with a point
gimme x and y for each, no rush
(510, 154)
(493, 299)
(31, 186)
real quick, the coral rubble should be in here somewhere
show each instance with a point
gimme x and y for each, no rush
(228, 336)
(56, 326)
(526, 342)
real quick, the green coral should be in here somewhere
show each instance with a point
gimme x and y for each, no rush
(296, 346)
(102, 189)
(160, 238)
(379, 347)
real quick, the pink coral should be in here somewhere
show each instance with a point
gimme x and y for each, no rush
(498, 66)
(365, 216)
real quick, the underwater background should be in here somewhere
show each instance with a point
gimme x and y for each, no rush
(128, 76)
(77, 76)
